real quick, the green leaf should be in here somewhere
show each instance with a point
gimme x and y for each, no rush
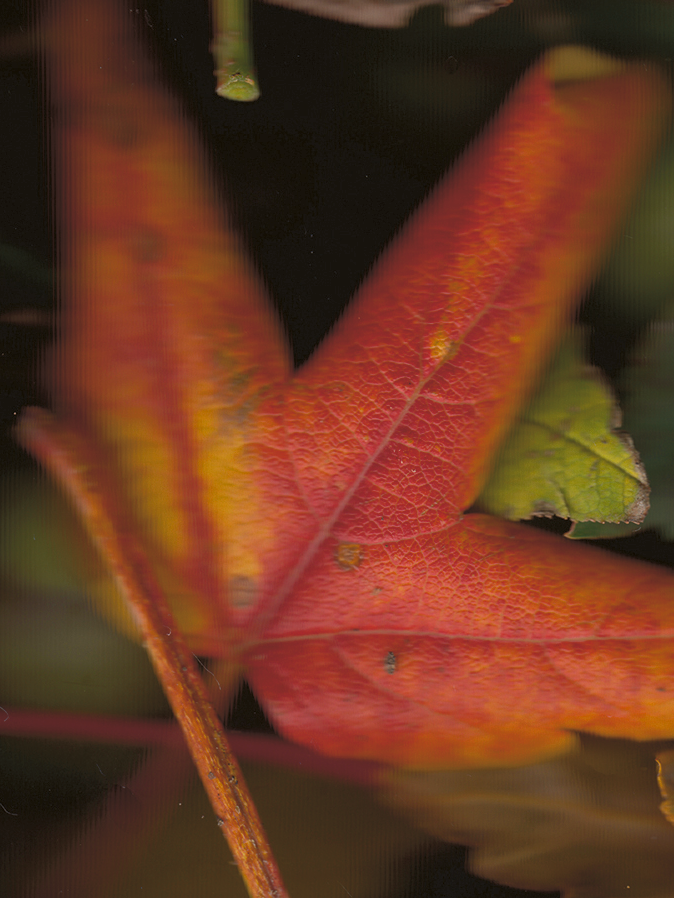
(599, 530)
(565, 456)
(649, 385)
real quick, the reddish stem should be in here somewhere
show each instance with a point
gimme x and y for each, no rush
(254, 747)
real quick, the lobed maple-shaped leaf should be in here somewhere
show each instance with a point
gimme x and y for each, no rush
(406, 632)
(313, 526)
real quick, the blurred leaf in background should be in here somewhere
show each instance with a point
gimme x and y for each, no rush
(648, 384)
(587, 823)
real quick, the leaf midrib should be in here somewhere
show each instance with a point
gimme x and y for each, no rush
(326, 528)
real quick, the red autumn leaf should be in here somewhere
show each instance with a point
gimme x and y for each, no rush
(394, 629)
(314, 526)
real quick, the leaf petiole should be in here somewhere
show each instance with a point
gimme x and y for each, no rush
(232, 51)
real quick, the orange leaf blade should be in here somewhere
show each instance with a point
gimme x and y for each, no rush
(403, 634)
(487, 647)
(168, 343)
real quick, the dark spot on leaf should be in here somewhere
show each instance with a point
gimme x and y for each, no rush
(120, 129)
(242, 592)
(148, 245)
(239, 382)
(544, 509)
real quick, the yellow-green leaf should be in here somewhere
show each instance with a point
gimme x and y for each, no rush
(565, 455)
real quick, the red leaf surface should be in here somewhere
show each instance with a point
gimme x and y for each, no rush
(403, 631)
(315, 525)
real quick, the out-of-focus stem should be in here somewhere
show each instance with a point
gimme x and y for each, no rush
(232, 51)
(134, 731)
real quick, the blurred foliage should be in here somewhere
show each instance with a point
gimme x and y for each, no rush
(587, 822)
(648, 383)
(640, 275)
(49, 580)
(330, 839)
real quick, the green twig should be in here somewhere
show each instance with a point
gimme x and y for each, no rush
(232, 51)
